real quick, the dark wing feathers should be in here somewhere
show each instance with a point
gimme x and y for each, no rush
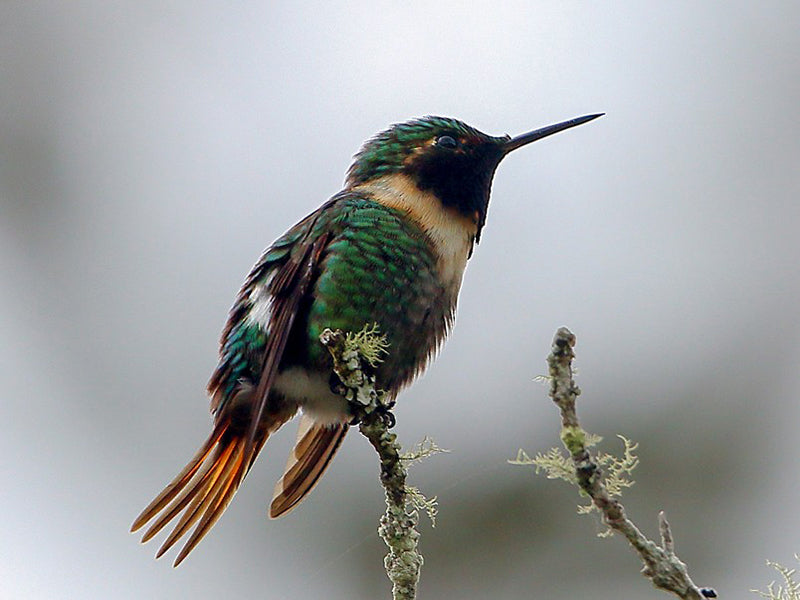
(288, 288)
(201, 492)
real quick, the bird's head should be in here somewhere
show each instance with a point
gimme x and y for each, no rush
(445, 157)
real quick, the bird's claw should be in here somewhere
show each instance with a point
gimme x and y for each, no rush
(387, 416)
(382, 412)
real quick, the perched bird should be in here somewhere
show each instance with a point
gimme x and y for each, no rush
(389, 249)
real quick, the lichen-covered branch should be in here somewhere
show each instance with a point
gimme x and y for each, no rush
(398, 525)
(788, 590)
(661, 565)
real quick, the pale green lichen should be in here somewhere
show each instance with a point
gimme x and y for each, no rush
(422, 450)
(616, 470)
(574, 439)
(419, 502)
(416, 499)
(347, 351)
(370, 344)
(789, 590)
(553, 463)
(557, 465)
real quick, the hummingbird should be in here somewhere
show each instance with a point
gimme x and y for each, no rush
(389, 249)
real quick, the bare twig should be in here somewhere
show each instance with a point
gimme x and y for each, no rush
(661, 565)
(398, 525)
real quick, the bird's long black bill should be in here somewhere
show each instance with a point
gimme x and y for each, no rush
(537, 134)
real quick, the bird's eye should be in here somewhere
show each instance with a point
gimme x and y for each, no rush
(446, 141)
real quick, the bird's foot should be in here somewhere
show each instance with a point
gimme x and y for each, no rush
(380, 411)
(386, 415)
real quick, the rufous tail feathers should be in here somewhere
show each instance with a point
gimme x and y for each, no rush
(205, 487)
(316, 446)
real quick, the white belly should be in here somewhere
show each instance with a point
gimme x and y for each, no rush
(312, 393)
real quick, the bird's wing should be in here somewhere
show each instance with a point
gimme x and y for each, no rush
(203, 489)
(288, 287)
(262, 316)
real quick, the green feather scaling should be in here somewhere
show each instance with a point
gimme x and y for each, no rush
(379, 268)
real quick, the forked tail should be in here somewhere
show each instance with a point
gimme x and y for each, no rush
(205, 487)
(202, 491)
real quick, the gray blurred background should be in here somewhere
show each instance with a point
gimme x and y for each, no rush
(149, 151)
